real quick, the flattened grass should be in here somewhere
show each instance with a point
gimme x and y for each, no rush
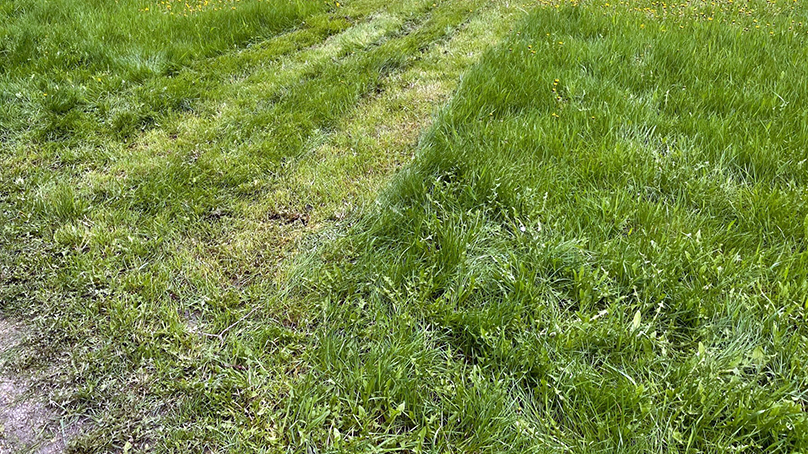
(148, 240)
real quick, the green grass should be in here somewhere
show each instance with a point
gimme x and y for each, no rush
(599, 245)
(110, 68)
(165, 212)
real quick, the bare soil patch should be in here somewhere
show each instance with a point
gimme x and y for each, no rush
(27, 425)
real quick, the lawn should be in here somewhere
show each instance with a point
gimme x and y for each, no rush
(417, 226)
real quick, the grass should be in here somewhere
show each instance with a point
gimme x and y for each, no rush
(129, 243)
(600, 247)
(597, 245)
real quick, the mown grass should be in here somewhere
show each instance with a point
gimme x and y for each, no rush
(600, 245)
(161, 211)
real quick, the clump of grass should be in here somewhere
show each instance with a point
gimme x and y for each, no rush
(601, 246)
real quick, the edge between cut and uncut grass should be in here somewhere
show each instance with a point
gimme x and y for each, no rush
(151, 261)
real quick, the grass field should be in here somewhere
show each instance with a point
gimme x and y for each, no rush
(416, 226)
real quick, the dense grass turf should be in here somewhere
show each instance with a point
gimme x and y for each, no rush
(97, 64)
(599, 247)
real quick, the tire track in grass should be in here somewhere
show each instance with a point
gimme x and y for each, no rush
(367, 146)
(334, 177)
(407, 57)
(371, 88)
(243, 241)
(248, 113)
(379, 135)
(153, 320)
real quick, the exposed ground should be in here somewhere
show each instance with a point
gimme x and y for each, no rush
(27, 424)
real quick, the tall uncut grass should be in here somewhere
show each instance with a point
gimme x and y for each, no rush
(601, 247)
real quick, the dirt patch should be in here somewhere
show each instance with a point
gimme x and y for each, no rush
(10, 336)
(27, 425)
